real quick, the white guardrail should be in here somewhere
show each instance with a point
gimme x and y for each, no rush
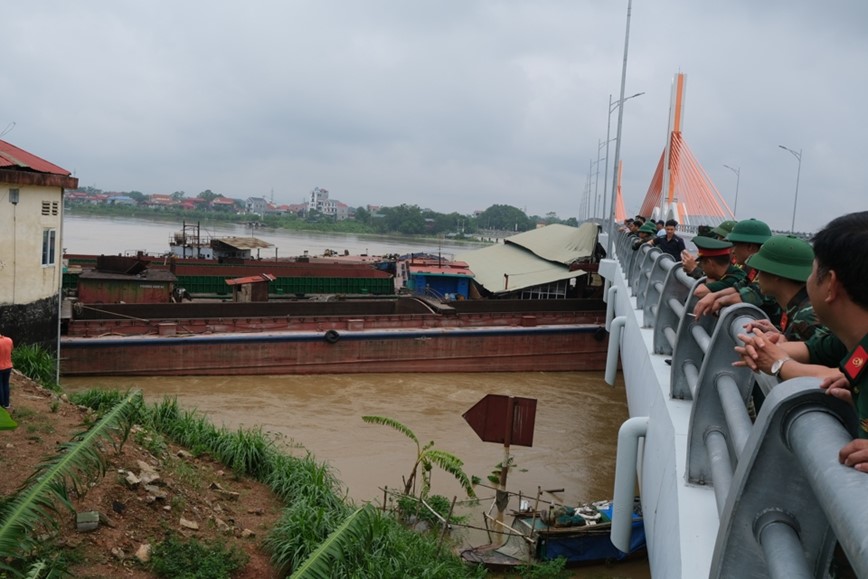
(723, 494)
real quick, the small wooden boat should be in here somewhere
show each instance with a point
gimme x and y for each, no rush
(578, 534)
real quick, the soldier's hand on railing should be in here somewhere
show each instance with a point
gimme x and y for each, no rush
(768, 328)
(725, 299)
(759, 352)
(855, 454)
(838, 386)
(704, 305)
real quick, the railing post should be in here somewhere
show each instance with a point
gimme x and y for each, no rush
(614, 347)
(625, 480)
(719, 398)
(611, 295)
(789, 492)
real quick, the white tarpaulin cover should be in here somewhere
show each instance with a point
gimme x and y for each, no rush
(559, 243)
(532, 258)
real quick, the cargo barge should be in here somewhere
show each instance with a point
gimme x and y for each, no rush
(400, 334)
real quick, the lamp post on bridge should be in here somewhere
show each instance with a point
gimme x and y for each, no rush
(798, 157)
(597, 178)
(737, 171)
(612, 107)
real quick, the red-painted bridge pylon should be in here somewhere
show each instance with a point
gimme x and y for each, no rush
(680, 188)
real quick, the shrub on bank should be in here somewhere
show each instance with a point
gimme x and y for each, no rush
(37, 364)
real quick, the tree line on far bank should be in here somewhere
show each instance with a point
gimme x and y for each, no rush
(402, 219)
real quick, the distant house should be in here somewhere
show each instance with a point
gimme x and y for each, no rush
(319, 201)
(277, 209)
(342, 211)
(121, 200)
(296, 208)
(160, 201)
(223, 204)
(256, 206)
(193, 203)
(31, 214)
(75, 197)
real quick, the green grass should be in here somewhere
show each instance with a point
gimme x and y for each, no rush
(37, 364)
(315, 502)
(177, 558)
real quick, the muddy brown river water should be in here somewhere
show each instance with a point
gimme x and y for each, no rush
(575, 437)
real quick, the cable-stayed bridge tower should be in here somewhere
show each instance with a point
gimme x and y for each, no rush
(680, 188)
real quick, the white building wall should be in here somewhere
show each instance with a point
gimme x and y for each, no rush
(23, 277)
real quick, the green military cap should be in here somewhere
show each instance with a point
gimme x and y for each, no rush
(648, 227)
(786, 256)
(750, 231)
(724, 228)
(710, 247)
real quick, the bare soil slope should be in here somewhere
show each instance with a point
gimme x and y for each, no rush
(205, 494)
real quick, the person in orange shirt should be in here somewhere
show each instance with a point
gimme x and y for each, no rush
(5, 369)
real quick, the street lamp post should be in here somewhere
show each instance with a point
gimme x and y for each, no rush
(798, 157)
(597, 178)
(737, 171)
(612, 107)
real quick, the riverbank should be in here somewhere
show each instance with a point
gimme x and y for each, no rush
(190, 491)
(148, 508)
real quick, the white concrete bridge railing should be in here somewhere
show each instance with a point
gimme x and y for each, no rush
(723, 494)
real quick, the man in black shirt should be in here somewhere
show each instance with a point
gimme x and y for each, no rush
(670, 243)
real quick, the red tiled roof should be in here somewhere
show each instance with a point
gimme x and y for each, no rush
(12, 156)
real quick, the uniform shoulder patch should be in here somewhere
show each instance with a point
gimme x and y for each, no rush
(855, 363)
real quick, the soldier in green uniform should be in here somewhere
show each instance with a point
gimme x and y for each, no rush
(747, 237)
(645, 233)
(784, 263)
(722, 230)
(838, 290)
(716, 262)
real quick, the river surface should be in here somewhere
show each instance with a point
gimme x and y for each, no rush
(113, 235)
(577, 417)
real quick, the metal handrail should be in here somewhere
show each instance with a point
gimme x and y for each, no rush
(769, 524)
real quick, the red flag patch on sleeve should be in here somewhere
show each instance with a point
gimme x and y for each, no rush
(855, 364)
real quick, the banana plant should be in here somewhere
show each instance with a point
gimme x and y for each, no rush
(426, 456)
(353, 534)
(35, 505)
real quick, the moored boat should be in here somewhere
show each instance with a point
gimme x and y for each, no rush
(578, 534)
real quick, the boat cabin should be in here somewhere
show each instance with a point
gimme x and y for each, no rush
(439, 278)
(252, 288)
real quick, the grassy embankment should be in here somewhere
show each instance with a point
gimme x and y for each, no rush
(319, 534)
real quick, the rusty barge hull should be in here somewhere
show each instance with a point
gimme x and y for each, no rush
(402, 334)
(498, 349)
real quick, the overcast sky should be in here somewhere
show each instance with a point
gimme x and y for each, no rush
(447, 104)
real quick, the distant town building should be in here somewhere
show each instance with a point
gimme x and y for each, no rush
(318, 200)
(256, 205)
(159, 201)
(296, 208)
(121, 200)
(224, 204)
